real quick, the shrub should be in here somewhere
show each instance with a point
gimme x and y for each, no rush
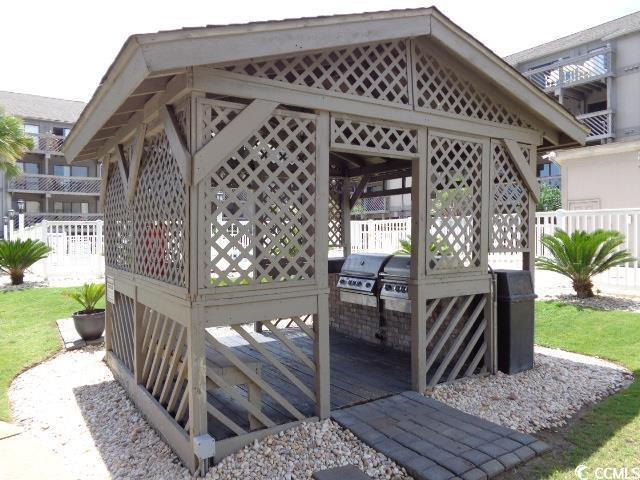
(18, 255)
(581, 256)
(550, 198)
(88, 296)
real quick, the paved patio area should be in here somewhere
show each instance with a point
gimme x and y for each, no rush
(436, 442)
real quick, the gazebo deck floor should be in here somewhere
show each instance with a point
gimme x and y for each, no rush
(360, 372)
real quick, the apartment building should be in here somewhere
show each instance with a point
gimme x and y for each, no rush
(595, 74)
(48, 188)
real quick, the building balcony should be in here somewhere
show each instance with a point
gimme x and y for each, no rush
(47, 143)
(32, 183)
(573, 71)
(600, 124)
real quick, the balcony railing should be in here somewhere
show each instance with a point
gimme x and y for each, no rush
(572, 71)
(47, 142)
(35, 218)
(55, 184)
(600, 124)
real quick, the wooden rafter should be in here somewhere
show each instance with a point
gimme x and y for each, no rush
(359, 189)
(523, 168)
(103, 181)
(121, 168)
(134, 164)
(176, 140)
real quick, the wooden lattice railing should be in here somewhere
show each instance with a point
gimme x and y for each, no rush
(121, 328)
(54, 183)
(258, 380)
(457, 337)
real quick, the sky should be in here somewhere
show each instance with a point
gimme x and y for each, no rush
(63, 49)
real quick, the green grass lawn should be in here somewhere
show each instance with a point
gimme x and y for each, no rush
(609, 434)
(28, 332)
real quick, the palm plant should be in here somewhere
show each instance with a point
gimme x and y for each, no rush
(581, 256)
(18, 255)
(88, 296)
(14, 143)
(439, 246)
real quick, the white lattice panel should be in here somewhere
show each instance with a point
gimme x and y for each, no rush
(439, 87)
(510, 203)
(257, 209)
(160, 214)
(336, 226)
(377, 71)
(118, 227)
(454, 218)
(373, 138)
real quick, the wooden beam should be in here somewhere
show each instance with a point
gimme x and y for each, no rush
(132, 104)
(134, 163)
(386, 193)
(103, 181)
(359, 189)
(121, 168)
(177, 141)
(175, 88)
(523, 168)
(388, 166)
(224, 143)
(151, 86)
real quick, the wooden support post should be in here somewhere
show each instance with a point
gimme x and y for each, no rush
(108, 326)
(529, 258)
(323, 134)
(322, 358)
(345, 208)
(197, 385)
(138, 338)
(418, 265)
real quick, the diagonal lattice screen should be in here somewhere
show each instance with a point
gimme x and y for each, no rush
(372, 137)
(336, 226)
(118, 226)
(213, 116)
(160, 214)
(510, 203)
(377, 71)
(258, 207)
(438, 87)
(454, 180)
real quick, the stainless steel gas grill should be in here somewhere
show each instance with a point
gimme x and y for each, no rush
(394, 290)
(358, 282)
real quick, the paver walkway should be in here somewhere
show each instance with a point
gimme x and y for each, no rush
(433, 441)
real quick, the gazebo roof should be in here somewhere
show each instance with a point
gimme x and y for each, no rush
(150, 65)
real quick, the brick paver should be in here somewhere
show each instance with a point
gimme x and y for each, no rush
(433, 441)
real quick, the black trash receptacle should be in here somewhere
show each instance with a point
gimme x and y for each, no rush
(515, 298)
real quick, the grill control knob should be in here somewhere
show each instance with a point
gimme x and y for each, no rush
(404, 289)
(358, 283)
(368, 284)
(398, 288)
(342, 280)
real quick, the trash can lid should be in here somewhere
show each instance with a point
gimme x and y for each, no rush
(514, 286)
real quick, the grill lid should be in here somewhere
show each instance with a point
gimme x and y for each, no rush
(398, 266)
(364, 264)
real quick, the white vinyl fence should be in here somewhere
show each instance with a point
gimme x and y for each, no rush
(383, 236)
(77, 248)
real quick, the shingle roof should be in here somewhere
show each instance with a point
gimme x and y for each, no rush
(24, 105)
(620, 26)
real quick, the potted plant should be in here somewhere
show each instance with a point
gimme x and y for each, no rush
(89, 321)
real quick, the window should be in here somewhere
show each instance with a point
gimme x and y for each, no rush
(62, 170)
(32, 206)
(31, 129)
(61, 131)
(28, 167)
(70, 207)
(79, 171)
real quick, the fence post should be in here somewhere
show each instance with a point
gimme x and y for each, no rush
(99, 238)
(43, 237)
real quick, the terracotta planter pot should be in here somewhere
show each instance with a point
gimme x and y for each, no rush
(89, 325)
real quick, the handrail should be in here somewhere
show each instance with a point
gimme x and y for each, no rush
(593, 114)
(568, 61)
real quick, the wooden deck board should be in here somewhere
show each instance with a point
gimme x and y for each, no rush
(360, 372)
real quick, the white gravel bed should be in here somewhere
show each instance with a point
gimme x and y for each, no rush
(73, 404)
(546, 397)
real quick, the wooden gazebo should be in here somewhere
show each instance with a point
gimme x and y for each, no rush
(231, 158)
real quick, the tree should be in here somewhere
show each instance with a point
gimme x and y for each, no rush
(550, 198)
(14, 143)
(18, 255)
(581, 256)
